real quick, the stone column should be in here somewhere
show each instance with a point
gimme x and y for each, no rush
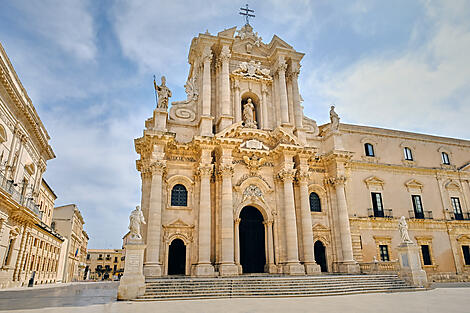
(264, 106)
(237, 244)
(271, 264)
(237, 101)
(153, 266)
(227, 265)
(205, 125)
(281, 71)
(292, 266)
(311, 267)
(296, 97)
(348, 265)
(226, 117)
(204, 266)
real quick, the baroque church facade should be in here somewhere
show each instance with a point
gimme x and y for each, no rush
(236, 179)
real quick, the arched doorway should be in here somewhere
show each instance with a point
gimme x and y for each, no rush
(320, 255)
(252, 250)
(177, 258)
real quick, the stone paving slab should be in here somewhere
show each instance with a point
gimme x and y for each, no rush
(455, 300)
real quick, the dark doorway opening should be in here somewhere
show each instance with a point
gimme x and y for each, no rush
(177, 258)
(252, 249)
(320, 255)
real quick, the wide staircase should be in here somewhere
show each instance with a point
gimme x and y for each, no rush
(270, 286)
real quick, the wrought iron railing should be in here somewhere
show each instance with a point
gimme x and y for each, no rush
(387, 213)
(10, 187)
(460, 216)
(424, 215)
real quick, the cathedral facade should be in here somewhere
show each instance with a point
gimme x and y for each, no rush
(236, 179)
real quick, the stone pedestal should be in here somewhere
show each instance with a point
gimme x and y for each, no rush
(160, 117)
(132, 284)
(228, 270)
(410, 265)
(312, 269)
(349, 267)
(205, 125)
(203, 270)
(294, 269)
(153, 270)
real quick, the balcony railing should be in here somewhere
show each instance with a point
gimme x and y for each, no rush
(465, 216)
(425, 215)
(28, 202)
(386, 213)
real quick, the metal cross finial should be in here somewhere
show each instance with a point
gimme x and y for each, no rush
(247, 13)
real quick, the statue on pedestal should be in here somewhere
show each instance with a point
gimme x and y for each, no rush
(403, 228)
(248, 114)
(164, 93)
(334, 118)
(135, 220)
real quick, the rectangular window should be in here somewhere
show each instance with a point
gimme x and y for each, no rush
(417, 206)
(115, 259)
(466, 254)
(377, 204)
(384, 253)
(88, 256)
(426, 255)
(369, 149)
(408, 154)
(445, 158)
(457, 208)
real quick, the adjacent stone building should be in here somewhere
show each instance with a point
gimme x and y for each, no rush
(105, 263)
(236, 179)
(68, 222)
(28, 244)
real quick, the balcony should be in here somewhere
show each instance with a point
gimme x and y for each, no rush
(27, 202)
(385, 213)
(425, 215)
(460, 216)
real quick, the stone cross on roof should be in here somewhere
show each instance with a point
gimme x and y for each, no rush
(247, 13)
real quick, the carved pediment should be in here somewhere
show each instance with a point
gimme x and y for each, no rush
(178, 224)
(254, 144)
(320, 228)
(277, 42)
(452, 185)
(374, 181)
(252, 70)
(413, 184)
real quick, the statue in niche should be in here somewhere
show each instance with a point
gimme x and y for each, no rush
(135, 220)
(334, 118)
(249, 114)
(164, 93)
(403, 228)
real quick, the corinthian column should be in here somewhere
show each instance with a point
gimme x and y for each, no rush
(227, 264)
(237, 101)
(348, 264)
(226, 117)
(204, 266)
(281, 71)
(307, 235)
(292, 266)
(205, 125)
(153, 266)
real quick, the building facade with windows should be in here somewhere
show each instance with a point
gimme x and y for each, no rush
(105, 263)
(236, 179)
(28, 245)
(68, 221)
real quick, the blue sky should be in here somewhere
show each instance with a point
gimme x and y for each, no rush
(88, 67)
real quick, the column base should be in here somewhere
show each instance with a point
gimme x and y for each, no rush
(228, 269)
(349, 267)
(153, 270)
(271, 268)
(203, 270)
(224, 122)
(300, 133)
(131, 287)
(410, 265)
(160, 117)
(288, 127)
(294, 269)
(205, 126)
(312, 269)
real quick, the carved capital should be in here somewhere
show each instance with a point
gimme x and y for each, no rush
(237, 221)
(268, 223)
(294, 74)
(286, 174)
(336, 181)
(205, 170)
(281, 67)
(207, 55)
(264, 88)
(158, 167)
(225, 55)
(302, 176)
(225, 170)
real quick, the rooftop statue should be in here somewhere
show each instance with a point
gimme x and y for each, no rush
(164, 93)
(334, 118)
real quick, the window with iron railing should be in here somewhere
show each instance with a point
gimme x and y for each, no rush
(377, 204)
(417, 206)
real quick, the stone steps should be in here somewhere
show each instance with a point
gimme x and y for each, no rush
(267, 286)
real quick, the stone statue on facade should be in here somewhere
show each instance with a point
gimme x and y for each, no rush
(334, 118)
(135, 220)
(403, 228)
(164, 93)
(249, 114)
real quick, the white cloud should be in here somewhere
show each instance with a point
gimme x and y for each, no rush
(424, 89)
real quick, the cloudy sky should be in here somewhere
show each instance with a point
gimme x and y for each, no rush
(88, 67)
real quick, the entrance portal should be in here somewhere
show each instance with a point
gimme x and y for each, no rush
(252, 250)
(320, 255)
(177, 258)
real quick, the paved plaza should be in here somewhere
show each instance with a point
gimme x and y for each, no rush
(100, 297)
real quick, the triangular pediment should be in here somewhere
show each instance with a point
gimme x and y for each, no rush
(374, 180)
(320, 227)
(228, 32)
(413, 184)
(465, 167)
(451, 184)
(249, 46)
(277, 42)
(178, 224)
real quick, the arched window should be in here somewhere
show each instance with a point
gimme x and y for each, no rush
(179, 195)
(369, 149)
(315, 204)
(445, 158)
(408, 154)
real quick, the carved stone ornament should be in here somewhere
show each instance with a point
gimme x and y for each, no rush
(205, 170)
(302, 176)
(225, 54)
(254, 144)
(336, 181)
(252, 191)
(207, 55)
(158, 166)
(186, 110)
(253, 163)
(225, 169)
(286, 174)
(310, 126)
(253, 70)
(246, 32)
